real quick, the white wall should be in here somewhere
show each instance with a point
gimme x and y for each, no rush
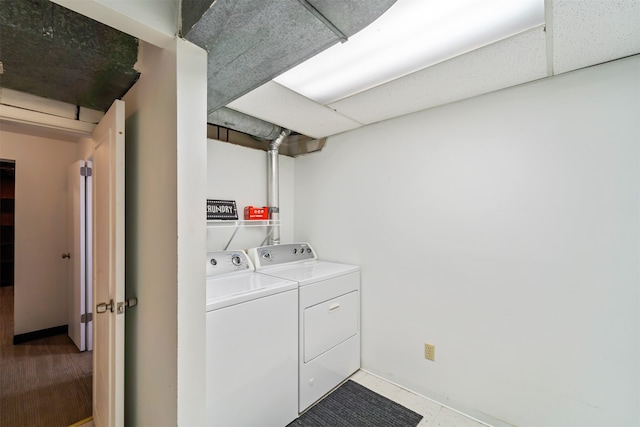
(240, 174)
(41, 275)
(165, 241)
(504, 229)
(191, 159)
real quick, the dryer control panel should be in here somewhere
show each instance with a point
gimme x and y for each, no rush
(264, 256)
(225, 262)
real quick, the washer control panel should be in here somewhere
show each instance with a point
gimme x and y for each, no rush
(225, 262)
(265, 256)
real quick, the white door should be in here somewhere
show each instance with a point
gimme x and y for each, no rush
(108, 268)
(76, 195)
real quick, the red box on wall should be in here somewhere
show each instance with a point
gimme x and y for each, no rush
(254, 213)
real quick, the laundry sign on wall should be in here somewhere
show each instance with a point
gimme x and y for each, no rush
(221, 210)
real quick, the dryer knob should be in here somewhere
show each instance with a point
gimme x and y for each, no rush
(236, 260)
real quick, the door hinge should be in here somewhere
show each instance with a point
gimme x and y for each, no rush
(86, 318)
(86, 171)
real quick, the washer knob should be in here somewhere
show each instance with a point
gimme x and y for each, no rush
(266, 255)
(213, 261)
(236, 260)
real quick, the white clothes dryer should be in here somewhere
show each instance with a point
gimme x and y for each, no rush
(252, 344)
(329, 315)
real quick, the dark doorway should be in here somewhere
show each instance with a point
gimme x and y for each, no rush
(7, 209)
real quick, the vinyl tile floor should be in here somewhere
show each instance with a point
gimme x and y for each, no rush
(434, 415)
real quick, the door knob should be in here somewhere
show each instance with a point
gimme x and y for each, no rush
(128, 303)
(67, 255)
(103, 307)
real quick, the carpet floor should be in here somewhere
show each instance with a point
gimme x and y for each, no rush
(353, 405)
(45, 382)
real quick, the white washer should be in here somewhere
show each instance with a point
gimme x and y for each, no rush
(252, 344)
(329, 315)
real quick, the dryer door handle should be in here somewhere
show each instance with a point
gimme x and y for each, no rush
(334, 307)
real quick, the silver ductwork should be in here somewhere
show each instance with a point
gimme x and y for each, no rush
(273, 185)
(250, 42)
(244, 123)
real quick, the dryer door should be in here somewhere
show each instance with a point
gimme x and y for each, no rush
(329, 323)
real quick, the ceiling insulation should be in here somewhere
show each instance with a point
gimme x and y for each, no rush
(52, 52)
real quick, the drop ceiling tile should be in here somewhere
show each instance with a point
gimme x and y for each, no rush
(589, 32)
(518, 59)
(277, 104)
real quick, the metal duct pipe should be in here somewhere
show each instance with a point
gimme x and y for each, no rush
(273, 185)
(235, 120)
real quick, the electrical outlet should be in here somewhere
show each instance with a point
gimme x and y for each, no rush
(430, 352)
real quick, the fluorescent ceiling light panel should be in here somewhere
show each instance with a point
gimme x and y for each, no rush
(410, 36)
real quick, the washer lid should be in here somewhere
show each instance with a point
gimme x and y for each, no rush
(308, 272)
(235, 289)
